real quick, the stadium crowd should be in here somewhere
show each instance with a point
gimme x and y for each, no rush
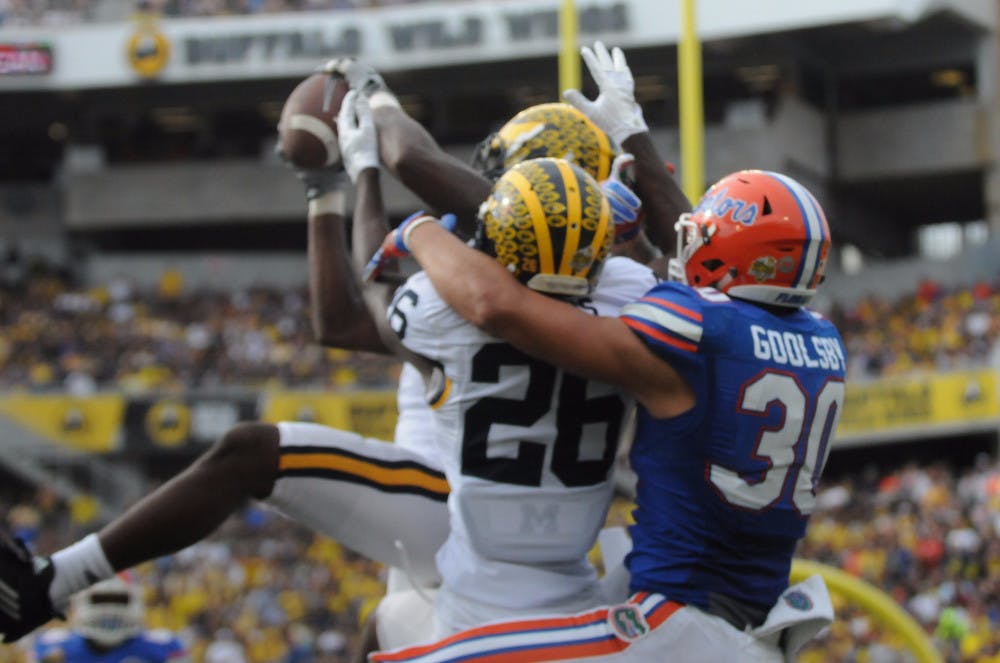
(19, 13)
(261, 589)
(270, 591)
(927, 534)
(57, 337)
(931, 329)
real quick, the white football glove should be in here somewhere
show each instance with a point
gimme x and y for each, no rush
(357, 135)
(615, 109)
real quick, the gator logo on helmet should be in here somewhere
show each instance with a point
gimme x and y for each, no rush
(763, 268)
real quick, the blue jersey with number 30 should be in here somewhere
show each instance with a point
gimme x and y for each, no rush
(725, 489)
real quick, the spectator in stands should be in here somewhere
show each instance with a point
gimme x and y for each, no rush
(53, 336)
(932, 329)
(931, 538)
(225, 648)
(291, 577)
(870, 523)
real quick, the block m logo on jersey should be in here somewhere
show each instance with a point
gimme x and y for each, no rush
(539, 518)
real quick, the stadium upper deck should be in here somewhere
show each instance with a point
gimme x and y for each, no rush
(886, 107)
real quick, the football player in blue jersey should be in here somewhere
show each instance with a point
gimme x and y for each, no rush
(740, 389)
(107, 625)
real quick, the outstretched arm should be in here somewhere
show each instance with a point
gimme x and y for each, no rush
(343, 312)
(340, 317)
(662, 199)
(411, 154)
(357, 134)
(616, 111)
(601, 348)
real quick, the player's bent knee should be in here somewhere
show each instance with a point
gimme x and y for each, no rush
(251, 451)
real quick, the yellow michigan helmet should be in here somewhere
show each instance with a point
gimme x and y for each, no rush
(548, 222)
(547, 130)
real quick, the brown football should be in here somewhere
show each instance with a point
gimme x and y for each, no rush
(307, 133)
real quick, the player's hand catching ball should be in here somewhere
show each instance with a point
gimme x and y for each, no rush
(357, 135)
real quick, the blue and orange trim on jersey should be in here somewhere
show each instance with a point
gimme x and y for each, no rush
(387, 476)
(660, 321)
(585, 635)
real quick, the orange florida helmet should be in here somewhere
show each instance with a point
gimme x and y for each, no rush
(755, 235)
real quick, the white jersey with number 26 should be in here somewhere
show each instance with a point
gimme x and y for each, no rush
(528, 453)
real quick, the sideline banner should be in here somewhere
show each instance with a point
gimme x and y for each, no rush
(189, 422)
(921, 401)
(369, 413)
(888, 409)
(87, 424)
(156, 425)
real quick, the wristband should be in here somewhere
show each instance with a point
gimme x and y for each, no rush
(331, 202)
(408, 230)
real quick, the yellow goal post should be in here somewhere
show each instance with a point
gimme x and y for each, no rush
(873, 601)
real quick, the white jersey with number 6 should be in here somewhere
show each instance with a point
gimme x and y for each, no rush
(527, 451)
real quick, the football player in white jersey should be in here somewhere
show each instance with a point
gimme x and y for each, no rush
(334, 481)
(527, 449)
(365, 493)
(741, 388)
